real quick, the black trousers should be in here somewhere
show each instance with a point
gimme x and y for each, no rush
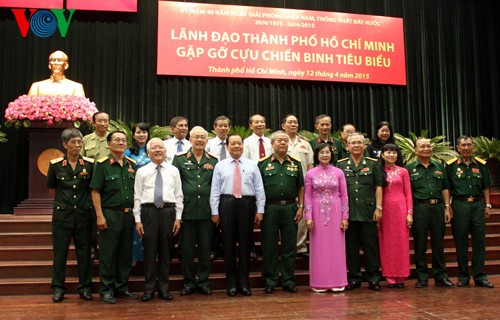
(157, 239)
(237, 219)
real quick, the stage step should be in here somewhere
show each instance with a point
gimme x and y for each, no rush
(26, 259)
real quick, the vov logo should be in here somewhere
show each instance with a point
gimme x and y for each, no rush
(43, 23)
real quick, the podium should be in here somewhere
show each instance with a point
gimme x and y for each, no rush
(45, 144)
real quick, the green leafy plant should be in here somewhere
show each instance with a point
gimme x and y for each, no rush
(3, 137)
(241, 130)
(307, 135)
(441, 150)
(486, 148)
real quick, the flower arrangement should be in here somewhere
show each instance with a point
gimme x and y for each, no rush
(50, 109)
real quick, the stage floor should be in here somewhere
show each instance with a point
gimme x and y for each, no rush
(408, 303)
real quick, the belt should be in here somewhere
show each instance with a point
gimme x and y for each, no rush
(281, 202)
(467, 199)
(163, 205)
(428, 201)
(228, 196)
(124, 210)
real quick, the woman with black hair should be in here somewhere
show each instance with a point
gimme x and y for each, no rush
(394, 227)
(383, 134)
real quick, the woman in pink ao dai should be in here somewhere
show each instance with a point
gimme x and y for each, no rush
(327, 214)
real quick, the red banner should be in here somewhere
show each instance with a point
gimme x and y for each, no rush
(33, 4)
(256, 42)
(103, 5)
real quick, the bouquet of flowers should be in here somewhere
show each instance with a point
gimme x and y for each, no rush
(50, 109)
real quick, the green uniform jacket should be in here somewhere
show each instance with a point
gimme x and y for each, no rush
(196, 182)
(428, 183)
(114, 182)
(334, 143)
(468, 181)
(281, 181)
(72, 203)
(361, 184)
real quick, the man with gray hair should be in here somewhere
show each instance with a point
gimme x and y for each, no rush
(68, 181)
(364, 188)
(196, 168)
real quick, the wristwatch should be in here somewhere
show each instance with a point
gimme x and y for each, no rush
(379, 208)
(301, 206)
(488, 206)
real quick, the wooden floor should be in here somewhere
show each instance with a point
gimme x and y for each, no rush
(407, 303)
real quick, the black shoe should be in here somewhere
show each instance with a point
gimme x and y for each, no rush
(253, 255)
(303, 255)
(126, 295)
(374, 285)
(393, 286)
(400, 285)
(444, 283)
(269, 289)
(232, 292)
(86, 295)
(186, 291)
(462, 283)
(108, 298)
(484, 283)
(57, 297)
(165, 295)
(421, 284)
(205, 290)
(147, 296)
(245, 291)
(353, 285)
(290, 288)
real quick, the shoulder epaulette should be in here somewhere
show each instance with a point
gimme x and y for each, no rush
(183, 153)
(480, 160)
(341, 160)
(211, 154)
(296, 159)
(451, 161)
(130, 160)
(91, 160)
(103, 159)
(56, 160)
(372, 159)
(264, 158)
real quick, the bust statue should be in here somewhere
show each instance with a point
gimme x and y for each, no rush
(57, 84)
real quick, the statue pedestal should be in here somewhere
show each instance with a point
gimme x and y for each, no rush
(44, 142)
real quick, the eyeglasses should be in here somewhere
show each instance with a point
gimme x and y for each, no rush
(119, 140)
(199, 137)
(75, 142)
(157, 148)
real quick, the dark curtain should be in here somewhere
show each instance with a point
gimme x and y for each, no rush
(452, 70)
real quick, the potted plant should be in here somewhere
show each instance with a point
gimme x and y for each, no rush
(489, 150)
(441, 150)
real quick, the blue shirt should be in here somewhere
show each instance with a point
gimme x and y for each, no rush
(251, 182)
(141, 159)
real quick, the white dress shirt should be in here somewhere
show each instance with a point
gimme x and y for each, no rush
(144, 187)
(171, 146)
(214, 146)
(251, 147)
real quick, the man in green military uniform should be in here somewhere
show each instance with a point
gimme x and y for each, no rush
(364, 187)
(94, 144)
(68, 181)
(431, 211)
(324, 126)
(113, 197)
(470, 183)
(196, 167)
(283, 182)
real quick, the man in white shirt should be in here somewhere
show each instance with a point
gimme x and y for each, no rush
(178, 143)
(300, 149)
(257, 145)
(158, 205)
(218, 146)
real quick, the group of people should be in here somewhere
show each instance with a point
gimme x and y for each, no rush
(349, 197)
